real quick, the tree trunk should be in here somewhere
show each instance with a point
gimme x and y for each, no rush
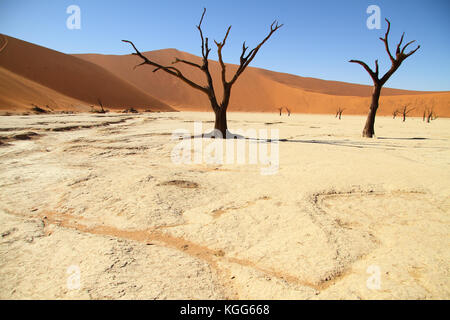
(221, 121)
(369, 130)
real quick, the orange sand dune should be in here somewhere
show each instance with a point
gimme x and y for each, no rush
(17, 94)
(31, 74)
(261, 90)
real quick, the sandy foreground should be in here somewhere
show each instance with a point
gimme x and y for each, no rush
(99, 197)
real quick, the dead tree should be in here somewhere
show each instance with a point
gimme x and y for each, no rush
(219, 107)
(288, 111)
(424, 115)
(280, 110)
(378, 82)
(405, 112)
(101, 106)
(395, 113)
(430, 115)
(339, 113)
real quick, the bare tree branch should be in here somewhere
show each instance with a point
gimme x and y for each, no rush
(247, 59)
(205, 46)
(396, 61)
(220, 46)
(386, 41)
(188, 63)
(171, 70)
(373, 74)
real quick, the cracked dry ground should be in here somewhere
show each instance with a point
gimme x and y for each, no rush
(100, 192)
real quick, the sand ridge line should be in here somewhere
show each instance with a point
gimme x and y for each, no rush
(276, 274)
(220, 211)
(148, 236)
(328, 224)
(88, 126)
(320, 195)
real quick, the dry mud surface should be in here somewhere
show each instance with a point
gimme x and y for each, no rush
(100, 193)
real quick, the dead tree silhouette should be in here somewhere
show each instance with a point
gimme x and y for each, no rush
(280, 110)
(405, 112)
(396, 61)
(101, 106)
(430, 115)
(288, 111)
(339, 113)
(219, 108)
(395, 113)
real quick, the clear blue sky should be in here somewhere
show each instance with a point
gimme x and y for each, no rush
(318, 39)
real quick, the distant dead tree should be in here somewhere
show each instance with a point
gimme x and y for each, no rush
(424, 115)
(101, 106)
(339, 113)
(280, 110)
(102, 110)
(430, 115)
(219, 108)
(288, 111)
(395, 113)
(405, 112)
(396, 61)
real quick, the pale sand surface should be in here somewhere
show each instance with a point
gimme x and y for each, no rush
(98, 192)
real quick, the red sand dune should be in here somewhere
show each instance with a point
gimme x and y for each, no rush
(261, 90)
(31, 74)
